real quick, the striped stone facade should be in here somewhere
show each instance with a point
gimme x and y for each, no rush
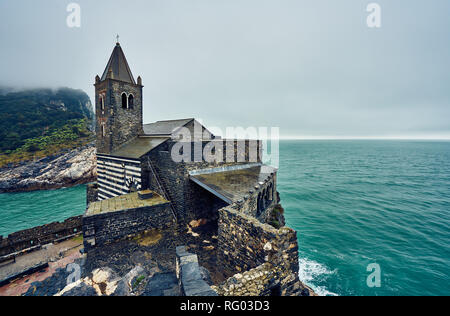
(117, 176)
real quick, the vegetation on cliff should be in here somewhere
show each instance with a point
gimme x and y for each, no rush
(42, 122)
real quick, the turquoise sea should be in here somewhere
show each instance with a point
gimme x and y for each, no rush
(25, 210)
(353, 203)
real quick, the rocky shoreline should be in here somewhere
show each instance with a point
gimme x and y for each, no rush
(67, 169)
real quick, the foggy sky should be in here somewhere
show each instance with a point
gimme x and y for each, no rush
(311, 67)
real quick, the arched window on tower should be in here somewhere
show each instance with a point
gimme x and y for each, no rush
(102, 103)
(124, 101)
(130, 101)
(103, 130)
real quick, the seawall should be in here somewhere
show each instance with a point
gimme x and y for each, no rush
(36, 237)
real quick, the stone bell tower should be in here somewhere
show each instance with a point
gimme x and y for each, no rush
(118, 104)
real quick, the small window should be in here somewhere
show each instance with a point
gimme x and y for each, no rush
(103, 130)
(102, 103)
(130, 101)
(124, 101)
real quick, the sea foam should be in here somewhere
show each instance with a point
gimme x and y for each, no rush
(309, 271)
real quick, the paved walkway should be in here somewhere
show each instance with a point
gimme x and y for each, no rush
(58, 256)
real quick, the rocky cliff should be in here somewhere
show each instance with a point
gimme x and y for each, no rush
(66, 169)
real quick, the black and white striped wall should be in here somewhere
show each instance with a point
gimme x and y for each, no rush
(117, 176)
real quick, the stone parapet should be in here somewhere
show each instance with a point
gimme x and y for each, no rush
(108, 227)
(34, 237)
(189, 275)
(244, 243)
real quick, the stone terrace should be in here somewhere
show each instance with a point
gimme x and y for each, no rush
(123, 202)
(232, 183)
(154, 251)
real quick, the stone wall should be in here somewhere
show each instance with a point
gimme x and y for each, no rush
(260, 199)
(189, 276)
(121, 125)
(171, 175)
(91, 193)
(260, 281)
(202, 204)
(198, 131)
(244, 243)
(41, 235)
(219, 152)
(190, 201)
(104, 228)
(263, 280)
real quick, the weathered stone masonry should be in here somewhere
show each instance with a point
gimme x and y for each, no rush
(108, 227)
(41, 235)
(189, 276)
(120, 124)
(91, 193)
(260, 200)
(256, 282)
(245, 243)
(184, 194)
(221, 181)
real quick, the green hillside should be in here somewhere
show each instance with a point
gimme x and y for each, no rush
(40, 122)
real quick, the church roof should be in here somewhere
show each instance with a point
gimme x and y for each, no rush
(117, 67)
(165, 127)
(138, 147)
(232, 183)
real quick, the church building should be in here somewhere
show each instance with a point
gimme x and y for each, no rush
(175, 176)
(133, 156)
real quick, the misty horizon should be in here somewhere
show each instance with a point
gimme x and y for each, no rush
(313, 69)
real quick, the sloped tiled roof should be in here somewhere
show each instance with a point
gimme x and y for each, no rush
(165, 127)
(138, 147)
(118, 66)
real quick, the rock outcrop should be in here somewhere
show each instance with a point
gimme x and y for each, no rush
(67, 169)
